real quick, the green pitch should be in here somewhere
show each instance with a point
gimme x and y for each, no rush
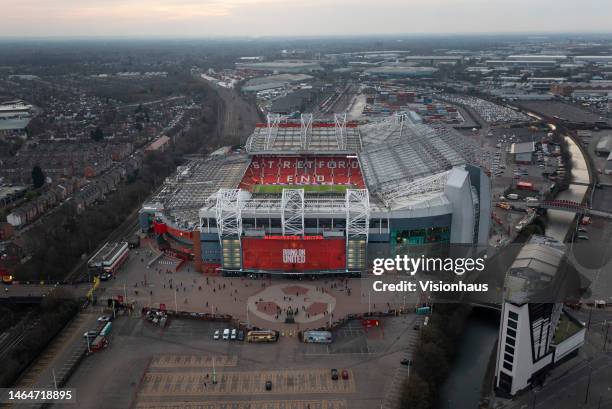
(307, 188)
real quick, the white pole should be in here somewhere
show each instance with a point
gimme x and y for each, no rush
(214, 379)
(175, 304)
(247, 312)
(54, 380)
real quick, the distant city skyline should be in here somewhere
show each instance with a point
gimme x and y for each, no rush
(201, 18)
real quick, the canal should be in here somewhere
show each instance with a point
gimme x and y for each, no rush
(464, 383)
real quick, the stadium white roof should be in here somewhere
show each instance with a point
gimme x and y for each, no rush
(402, 161)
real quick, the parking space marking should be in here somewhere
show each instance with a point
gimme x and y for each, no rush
(192, 361)
(250, 404)
(288, 381)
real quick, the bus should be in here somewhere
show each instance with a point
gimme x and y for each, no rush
(317, 337)
(107, 329)
(99, 343)
(262, 336)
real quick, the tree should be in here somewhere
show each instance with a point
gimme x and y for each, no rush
(38, 177)
(416, 394)
(97, 134)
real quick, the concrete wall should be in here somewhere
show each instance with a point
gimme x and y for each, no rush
(459, 193)
(569, 345)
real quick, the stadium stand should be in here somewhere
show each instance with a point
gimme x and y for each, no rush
(333, 170)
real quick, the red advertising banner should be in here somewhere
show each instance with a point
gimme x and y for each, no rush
(293, 254)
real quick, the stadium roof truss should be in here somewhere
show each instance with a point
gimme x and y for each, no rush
(228, 212)
(305, 129)
(415, 190)
(292, 212)
(290, 137)
(357, 213)
(340, 129)
(273, 121)
(232, 204)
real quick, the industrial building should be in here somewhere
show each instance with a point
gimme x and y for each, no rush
(396, 70)
(522, 152)
(307, 197)
(536, 332)
(281, 66)
(522, 63)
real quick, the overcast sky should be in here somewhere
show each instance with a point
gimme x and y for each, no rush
(201, 18)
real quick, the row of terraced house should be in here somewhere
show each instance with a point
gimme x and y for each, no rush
(78, 192)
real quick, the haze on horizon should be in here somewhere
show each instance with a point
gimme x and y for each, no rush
(198, 18)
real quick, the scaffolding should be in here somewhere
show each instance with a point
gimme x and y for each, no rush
(228, 212)
(292, 212)
(357, 205)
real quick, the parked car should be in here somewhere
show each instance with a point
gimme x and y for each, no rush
(104, 318)
(345, 374)
(268, 385)
(406, 362)
(233, 334)
(334, 374)
(217, 334)
(240, 335)
(226, 334)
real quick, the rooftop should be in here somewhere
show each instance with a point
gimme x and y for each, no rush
(183, 194)
(401, 158)
(534, 271)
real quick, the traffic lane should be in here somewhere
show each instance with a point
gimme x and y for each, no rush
(566, 391)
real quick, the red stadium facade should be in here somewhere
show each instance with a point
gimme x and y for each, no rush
(290, 253)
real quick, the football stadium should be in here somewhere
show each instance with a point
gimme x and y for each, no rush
(310, 197)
